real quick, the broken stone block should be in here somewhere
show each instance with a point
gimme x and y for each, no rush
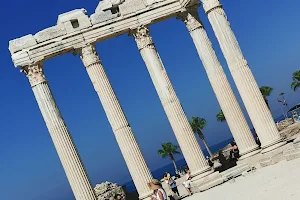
(99, 17)
(74, 20)
(50, 33)
(21, 43)
(131, 6)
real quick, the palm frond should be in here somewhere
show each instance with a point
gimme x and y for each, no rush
(266, 91)
(168, 149)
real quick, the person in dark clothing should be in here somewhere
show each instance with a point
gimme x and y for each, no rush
(210, 163)
(234, 152)
(222, 160)
(256, 138)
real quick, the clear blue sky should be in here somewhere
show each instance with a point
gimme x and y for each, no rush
(268, 32)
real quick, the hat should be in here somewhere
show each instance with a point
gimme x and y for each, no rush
(154, 184)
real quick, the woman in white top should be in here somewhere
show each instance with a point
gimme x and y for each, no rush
(159, 193)
(187, 182)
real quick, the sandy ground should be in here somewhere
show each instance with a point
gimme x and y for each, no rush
(277, 182)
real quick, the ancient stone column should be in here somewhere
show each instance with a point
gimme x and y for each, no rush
(218, 80)
(129, 147)
(60, 135)
(258, 111)
(174, 111)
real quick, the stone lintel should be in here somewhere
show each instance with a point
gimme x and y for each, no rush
(26, 49)
(21, 43)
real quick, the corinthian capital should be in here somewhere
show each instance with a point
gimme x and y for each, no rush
(88, 55)
(191, 19)
(35, 74)
(142, 37)
(208, 5)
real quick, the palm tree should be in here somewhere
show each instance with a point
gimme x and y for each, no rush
(197, 125)
(220, 116)
(296, 80)
(169, 150)
(266, 91)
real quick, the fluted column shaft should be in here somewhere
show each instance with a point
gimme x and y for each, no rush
(174, 111)
(218, 80)
(60, 135)
(131, 152)
(257, 109)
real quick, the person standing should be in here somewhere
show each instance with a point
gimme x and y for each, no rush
(158, 192)
(171, 183)
(234, 152)
(187, 182)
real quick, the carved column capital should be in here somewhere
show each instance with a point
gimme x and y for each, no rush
(209, 5)
(191, 20)
(142, 37)
(88, 55)
(35, 74)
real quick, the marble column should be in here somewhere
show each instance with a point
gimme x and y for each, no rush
(257, 109)
(218, 80)
(129, 147)
(174, 111)
(60, 135)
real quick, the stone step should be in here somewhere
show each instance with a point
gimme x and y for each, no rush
(235, 171)
(206, 182)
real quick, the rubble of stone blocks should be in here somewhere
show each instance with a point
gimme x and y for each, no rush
(291, 131)
(288, 152)
(284, 123)
(108, 190)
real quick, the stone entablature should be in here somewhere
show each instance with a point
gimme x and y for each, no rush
(75, 29)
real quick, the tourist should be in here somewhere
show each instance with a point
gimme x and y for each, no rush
(171, 183)
(118, 197)
(187, 182)
(234, 152)
(210, 163)
(222, 161)
(159, 193)
(256, 138)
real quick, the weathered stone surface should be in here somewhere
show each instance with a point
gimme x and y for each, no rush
(50, 33)
(151, 2)
(119, 26)
(131, 6)
(74, 20)
(284, 123)
(99, 17)
(21, 59)
(292, 156)
(21, 43)
(108, 4)
(235, 171)
(107, 191)
(277, 158)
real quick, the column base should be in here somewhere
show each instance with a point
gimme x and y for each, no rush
(273, 146)
(145, 196)
(251, 153)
